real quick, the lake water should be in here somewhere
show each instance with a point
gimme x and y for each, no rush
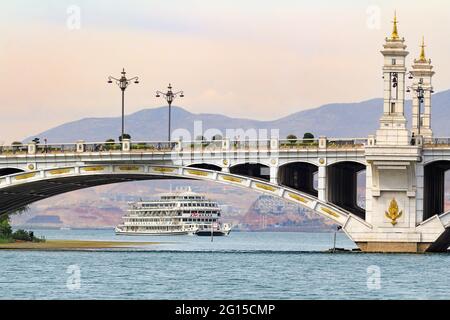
(244, 265)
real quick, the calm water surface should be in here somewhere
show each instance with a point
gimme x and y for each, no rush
(241, 266)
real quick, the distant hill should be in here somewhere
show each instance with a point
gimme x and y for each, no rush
(333, 120)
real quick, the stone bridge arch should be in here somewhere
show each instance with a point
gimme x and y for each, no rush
(251, 169)
(434, 187)
(207, 166)
(9, 171)
(342, 189)
(300, 176)
(22, 189)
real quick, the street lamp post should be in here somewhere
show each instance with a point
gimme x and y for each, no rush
(420, 94)
(169, 96)
(123, 83)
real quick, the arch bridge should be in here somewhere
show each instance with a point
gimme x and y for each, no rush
(319, 174)
(399, 171)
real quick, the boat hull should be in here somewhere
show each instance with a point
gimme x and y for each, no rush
(215, 233)
(141, 233)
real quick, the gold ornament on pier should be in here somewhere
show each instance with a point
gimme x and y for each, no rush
(422, 57)
(393, 213)
(394, 35)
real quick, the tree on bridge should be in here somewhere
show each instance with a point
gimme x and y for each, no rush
(292, 138)
(109, 144)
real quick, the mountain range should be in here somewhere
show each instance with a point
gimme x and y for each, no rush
(332, 120)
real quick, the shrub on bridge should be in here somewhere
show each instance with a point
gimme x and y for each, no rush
(125, 136)
(292, 139)
(308, 140)
(109, 144)
(140, 146)
(16, 146)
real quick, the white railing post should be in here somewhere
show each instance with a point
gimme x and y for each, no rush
(274, 143)
(32, 148)
(81, 147)
(126, 145)
(322, 142)
(419, 140)
(178, 145)
(371, 140)
(274, 174)
(322, 180)
(226, 144)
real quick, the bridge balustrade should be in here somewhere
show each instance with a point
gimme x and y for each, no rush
(250, 145)
(436, 142)
(298, 144)
(195, 146)
(152, 146)
(13, 149)
(56, 148)
(346, 143)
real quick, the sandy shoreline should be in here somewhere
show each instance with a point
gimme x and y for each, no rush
(72, 245)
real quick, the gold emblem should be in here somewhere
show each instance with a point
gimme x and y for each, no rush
(393, 213)
(330, 212)
(90, 169)
(59, 171)
(225, 162)
(163, 170)
(198, 173)
(31, 166)
(265, 187)
(231, 179)
(129, 168)
(298, 198)
(26, 176)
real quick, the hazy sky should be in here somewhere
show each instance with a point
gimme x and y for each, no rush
(248, 58)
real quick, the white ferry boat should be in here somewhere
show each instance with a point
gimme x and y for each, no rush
(177, 213)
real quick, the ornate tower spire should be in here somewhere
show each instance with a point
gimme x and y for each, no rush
(393, 130)
(422, 57)
(394, 35)
(422, 88)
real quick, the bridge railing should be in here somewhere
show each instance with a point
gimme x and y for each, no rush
(141, 146)
(437, 142)
(13, 149)
(295, 144)
(224, 145)
(249, 145)
(346, 143)
(200, 145)
(56, 148)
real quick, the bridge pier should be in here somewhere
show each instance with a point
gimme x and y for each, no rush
(404, 197)
(274, 174)
(322, 182)
(393, 247)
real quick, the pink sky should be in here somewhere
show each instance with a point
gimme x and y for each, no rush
(245, 60)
